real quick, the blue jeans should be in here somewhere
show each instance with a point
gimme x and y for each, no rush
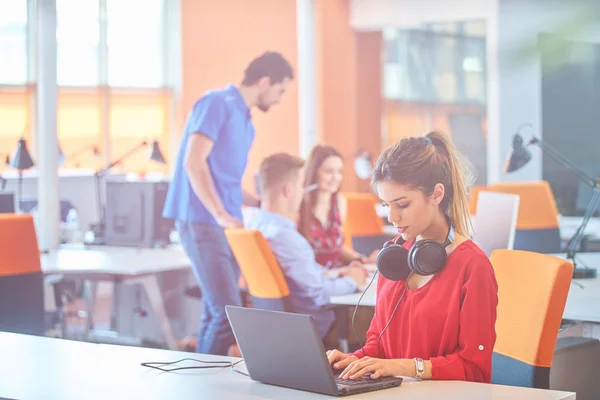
(217, 273)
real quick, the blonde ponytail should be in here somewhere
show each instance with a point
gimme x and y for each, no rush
(462, 177)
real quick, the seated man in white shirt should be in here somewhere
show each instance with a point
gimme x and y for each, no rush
(280, 181)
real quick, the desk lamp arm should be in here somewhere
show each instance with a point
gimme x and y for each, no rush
(554, 154)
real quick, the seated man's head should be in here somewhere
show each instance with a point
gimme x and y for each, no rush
(280, 180)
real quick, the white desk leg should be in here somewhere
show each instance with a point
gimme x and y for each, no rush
(150, 284)
(90, 299)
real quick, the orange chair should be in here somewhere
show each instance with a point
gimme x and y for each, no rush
(532, 292)
(537, 222)
(21, 277)
(473, 198)
(266, 283)
(363, 228)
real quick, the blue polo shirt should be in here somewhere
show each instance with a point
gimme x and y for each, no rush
(223, 116)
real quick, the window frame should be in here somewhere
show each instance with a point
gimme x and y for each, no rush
(169, 85)
(28, 33)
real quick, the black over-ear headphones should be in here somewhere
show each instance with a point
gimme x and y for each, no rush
(425, 257)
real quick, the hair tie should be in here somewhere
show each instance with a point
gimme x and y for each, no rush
(425, 138)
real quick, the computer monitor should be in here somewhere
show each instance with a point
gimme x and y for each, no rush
(7, 203)
(134, 214)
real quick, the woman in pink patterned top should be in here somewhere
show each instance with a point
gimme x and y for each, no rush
(324, 209)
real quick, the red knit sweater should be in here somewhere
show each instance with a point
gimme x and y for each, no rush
(449, 321)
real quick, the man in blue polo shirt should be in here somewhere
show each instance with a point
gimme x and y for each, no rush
(205, 195)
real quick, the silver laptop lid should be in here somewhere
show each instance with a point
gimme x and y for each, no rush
(282, 349)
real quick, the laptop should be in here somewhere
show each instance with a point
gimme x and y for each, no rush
(285, 349)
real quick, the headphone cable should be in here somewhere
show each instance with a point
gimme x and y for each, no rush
(212, 364)
(356, 308)
(393, 313)
(237, 370)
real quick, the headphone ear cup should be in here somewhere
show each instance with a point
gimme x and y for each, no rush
(392, 262)
(427, 257)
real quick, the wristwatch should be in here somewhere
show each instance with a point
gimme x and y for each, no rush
(420, 367)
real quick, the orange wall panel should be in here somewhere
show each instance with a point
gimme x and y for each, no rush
(219, 39)
(349, 81)
(337, 72)
(369, 94)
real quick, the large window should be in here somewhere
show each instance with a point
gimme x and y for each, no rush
(13, 42)
(80, 128)
(134, 120)
(111, 63)
(434, 66)
(434, 78)
(14, 120)
(136, 43)
(78, 39)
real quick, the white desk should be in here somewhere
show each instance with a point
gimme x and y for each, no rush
(44, 368)
(583, 301)
(569, 225)
(114, 260)
(121, 265)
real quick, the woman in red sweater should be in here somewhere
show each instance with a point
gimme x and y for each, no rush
(437, 326)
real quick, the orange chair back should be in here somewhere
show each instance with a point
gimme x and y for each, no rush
(537, 221)
(473, 198)
(257, 262)
(532, 293)
(21, 278)
(19, 249)
(537, 206)
(361, 216)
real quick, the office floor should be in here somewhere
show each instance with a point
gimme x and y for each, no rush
(75, 317)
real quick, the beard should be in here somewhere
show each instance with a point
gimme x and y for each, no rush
(263, 107)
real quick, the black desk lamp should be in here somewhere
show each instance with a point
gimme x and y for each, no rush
(154, 155)
(521, 155)
(21, 160)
